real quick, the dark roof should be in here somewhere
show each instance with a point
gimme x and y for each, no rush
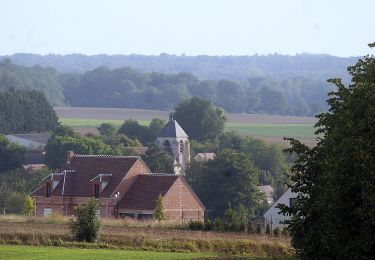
(172, 129)
(34, 158)
(84, 168)
(145, 190)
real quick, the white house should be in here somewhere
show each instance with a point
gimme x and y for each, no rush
(273, 217)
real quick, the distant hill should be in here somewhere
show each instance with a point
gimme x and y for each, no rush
(237, 68)
(273, 84)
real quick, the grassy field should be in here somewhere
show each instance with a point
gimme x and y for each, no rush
(280, 130)
(35, 252)
(122, 235)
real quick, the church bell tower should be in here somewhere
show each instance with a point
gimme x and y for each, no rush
(174, 139)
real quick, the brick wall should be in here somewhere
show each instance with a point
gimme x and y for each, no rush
(65, 205)
(130, 177)
(181, 205)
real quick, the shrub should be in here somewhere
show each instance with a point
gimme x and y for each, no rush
(159, 209)
(195, 225)
(28, 206)
(218, 224)
(259, 229)
(277, 231)
(250, 228)
(86, 225)
(268, 229)
(208, 225)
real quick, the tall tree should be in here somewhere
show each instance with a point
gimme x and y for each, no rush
(333, 217)
(25, 111)
(11, 155)
(158, 160)
(200, 119)
(229, 179)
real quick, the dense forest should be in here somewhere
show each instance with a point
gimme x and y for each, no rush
(238, 68)
(274, 84)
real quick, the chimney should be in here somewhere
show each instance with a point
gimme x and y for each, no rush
(69, 156)
(171, 116)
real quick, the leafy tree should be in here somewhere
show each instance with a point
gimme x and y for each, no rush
(86, 225)
(158, 160)
(159, 213)
(57, 147)
(334, 211)
(11, 155)
(20, 182)
(25, 111)
(107, 129)
(156, 125)
(28, 206)
(134, 130)
(14, 202)
(230, 178)
(200, 119)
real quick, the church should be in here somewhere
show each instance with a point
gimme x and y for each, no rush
(173, 138)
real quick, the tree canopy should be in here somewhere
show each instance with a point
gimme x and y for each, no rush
(200, 119)
(334, 211)
(158, 160)
(25, 111)
(260, 92)
(229, 180)
(11, 155)
(58, 145)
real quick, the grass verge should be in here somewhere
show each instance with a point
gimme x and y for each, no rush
(33, 252)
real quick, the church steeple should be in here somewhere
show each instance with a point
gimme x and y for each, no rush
(174, 139)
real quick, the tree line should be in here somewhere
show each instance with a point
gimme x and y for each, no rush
(130, 88)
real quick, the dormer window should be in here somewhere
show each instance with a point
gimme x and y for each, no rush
(48, 190)
(96, 190)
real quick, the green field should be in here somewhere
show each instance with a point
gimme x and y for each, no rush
(284, 130)
(34, 252)
(287, 130)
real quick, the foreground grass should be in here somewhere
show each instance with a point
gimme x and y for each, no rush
(287, 130)
(34, 252)
(122, 236)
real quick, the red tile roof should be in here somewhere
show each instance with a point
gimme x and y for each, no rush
(87, 167)
(145, 190)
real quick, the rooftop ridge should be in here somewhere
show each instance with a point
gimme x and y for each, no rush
(101, 175)
(158, 174)
(106, 156)
(58, 174)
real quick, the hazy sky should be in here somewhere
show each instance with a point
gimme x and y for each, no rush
(193, 27)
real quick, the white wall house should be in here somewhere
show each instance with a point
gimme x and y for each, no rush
(272, 215)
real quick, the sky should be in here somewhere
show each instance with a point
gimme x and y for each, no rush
(190, 27)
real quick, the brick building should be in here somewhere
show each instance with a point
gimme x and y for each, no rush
(103, 176)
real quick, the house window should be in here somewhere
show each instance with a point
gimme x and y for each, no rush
(292, 202)
(181, 146)
(96, 190)
(48, 190)
(167, 143)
